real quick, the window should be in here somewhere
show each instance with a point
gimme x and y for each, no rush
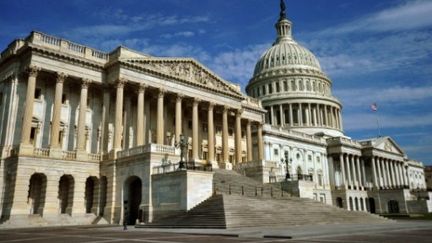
(33, 135)
(276, 152)
(38, 93)
(204, 127)
(263, 90)
(310, 158)
(64, 98)
(270, 87)
(230, 132)
(190, 124)
(277, 88)
(218, 129)
(285, 85)
(1, 99)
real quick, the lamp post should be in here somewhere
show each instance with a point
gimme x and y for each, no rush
(287, 176)
(182, 144)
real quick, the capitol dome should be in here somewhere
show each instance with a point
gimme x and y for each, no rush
(292, 87)
(286, 52)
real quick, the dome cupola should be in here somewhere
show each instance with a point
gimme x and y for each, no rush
(289, 81)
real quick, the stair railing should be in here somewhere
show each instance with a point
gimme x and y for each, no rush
(249, 190)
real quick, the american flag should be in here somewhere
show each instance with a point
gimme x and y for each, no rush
(374, 107)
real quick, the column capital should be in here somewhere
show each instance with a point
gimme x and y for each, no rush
(196, 100)
(211, 105)
(226, 108)
(120, 82)
(239, 111)
(85, 82)
(61, 77)
(179, 97)
(161, 93)
(141, 88)
(33, 71)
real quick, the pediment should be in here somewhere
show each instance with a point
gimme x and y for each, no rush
(389, 145)
(188, 70)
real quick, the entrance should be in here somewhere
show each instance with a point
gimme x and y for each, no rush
(393, 206)
(132, 199)
(372, 205)
(339, 202)
(36, 193)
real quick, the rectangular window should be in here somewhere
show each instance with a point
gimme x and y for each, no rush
(264, 90)
(285, 85)
(204, 127)
(270, 87)
(38, 93)
(33, 135)
(190, 124)
(231, 132)
(277, 88)
(276, 152)
(64, 98)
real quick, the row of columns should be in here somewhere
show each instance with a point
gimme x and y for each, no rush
(388, 174)
(315, 115)
(353, 171)
(195, 125)
(55, 128)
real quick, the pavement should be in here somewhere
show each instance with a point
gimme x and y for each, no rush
(399, 231)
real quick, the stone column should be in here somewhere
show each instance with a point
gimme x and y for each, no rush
(140, 115)
(195, 125)
(105, 118)
(315, 116)
(118, 115)
(397, 170)
(260, 143)
(342, 164)
(55, 125)
(211, 135)
(354, 171)
(249, 141)
(28, 108)
(309, 114)
(291, 115)
(81, 141)
(281, 116)
(340, 121)
(160, 118)
(350, 182)
(389, 182)
(374, 179)
(362, 165)
(225, 149)
(396, 174)
(272, 119)
(178, 119)
(400, 165)
(380, 174)
(300, 114)
(359, 174)
(238, 137)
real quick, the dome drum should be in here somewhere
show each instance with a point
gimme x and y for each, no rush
(294, 90)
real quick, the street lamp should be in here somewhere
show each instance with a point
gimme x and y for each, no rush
(183, 145)
(287, 176)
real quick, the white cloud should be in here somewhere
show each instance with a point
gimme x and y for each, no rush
(358, 121)
(238, 65)
(394, 95)
(122, 24)
(407, 16)
(179, 34)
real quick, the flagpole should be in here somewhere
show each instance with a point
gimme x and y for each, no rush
(378, 124)
(374, 108)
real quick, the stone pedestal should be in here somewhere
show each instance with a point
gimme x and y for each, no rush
(81, 155)
(26, 149)
(56, 153)
(226, 166)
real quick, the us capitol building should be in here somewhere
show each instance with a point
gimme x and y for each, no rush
(93, 137)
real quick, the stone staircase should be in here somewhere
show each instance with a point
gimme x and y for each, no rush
(231, 182)
(238, 207)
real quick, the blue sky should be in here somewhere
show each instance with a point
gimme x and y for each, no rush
(374, 51)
